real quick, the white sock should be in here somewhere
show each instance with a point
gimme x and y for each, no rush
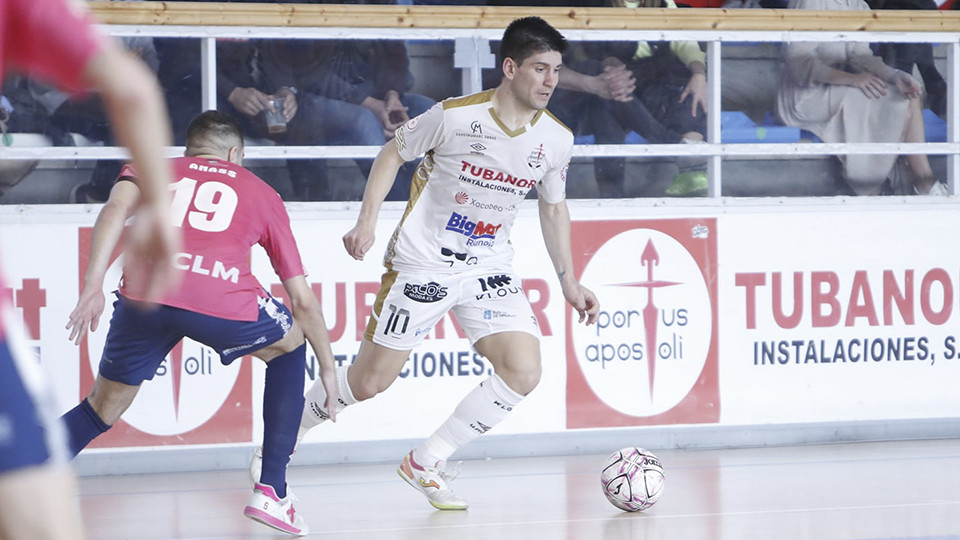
(314, 412)
(482, 409)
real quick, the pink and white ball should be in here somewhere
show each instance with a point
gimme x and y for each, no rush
(632, 479)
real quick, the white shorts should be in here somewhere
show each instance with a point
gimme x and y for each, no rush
(410, 304)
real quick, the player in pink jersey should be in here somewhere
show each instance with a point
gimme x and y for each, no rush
(451, 251)
(224, 210)
(52, 40)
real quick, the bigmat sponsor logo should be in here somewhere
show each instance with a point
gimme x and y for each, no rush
(652, 356)
(192, 398)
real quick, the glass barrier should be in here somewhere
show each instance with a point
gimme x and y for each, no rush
(778, 114)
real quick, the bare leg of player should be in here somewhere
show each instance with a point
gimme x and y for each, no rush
(45, 492)
(516, 361)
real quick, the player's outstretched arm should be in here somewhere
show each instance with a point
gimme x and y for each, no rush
(107, 230)
(138, 118)
(308, 313)
(359, 239)
(555, 225)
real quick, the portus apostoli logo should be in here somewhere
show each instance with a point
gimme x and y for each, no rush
(654, 331)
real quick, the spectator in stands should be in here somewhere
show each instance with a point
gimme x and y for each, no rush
(45, 109)
(656, 89)
(351, 92)
(842, 92)
(904, 56)
(87, 117)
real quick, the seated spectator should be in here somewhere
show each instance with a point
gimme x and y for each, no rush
(656, 89)
(87, 117)
(904, 56)
(842, 92)
(352, 92)
(41, 108)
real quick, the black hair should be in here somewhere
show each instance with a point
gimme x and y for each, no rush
(213, 130)
(528, 36)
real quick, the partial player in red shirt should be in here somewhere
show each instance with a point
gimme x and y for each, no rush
(52, 40)
(224, 210)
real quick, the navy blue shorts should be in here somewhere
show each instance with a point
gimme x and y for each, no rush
(139, 339)
(29, 427)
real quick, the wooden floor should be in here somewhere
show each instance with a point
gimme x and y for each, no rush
(889, 490)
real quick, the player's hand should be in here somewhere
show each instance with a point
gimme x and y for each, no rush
(86, 316)
(151, 246)
(251, 101)
(582, 299)
(697, 89)
(358, 240)
(328, 378)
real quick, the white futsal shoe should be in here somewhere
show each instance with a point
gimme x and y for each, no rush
(265, 507)
(432, 482)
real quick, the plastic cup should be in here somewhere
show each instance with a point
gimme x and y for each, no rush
(276, 123)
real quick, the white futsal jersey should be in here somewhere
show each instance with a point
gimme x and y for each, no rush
(467, 190)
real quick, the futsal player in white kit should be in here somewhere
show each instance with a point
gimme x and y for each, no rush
(483, 154)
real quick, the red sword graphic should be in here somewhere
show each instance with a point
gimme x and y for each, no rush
(650, 258)
(176, 362)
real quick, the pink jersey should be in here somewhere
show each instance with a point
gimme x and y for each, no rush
(223, 210)
(51, 40)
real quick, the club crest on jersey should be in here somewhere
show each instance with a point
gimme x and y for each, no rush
(478, 233)
(535, 159)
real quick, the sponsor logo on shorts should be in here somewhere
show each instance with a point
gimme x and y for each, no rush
(496, 286)
(489, 314)
(424, 293)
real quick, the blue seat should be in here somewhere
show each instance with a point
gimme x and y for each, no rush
(737, 127)
(934, 128)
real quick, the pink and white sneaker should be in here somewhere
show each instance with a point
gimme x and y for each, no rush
(432, 482)
(264, 506)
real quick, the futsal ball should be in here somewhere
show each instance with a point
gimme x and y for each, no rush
(632, 479)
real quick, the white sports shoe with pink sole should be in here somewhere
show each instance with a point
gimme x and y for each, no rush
(265, 507)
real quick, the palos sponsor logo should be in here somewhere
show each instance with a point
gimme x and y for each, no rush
(424, 293)
(647, 357)
(478, 232)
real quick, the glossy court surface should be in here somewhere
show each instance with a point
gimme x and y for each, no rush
(877, 490)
